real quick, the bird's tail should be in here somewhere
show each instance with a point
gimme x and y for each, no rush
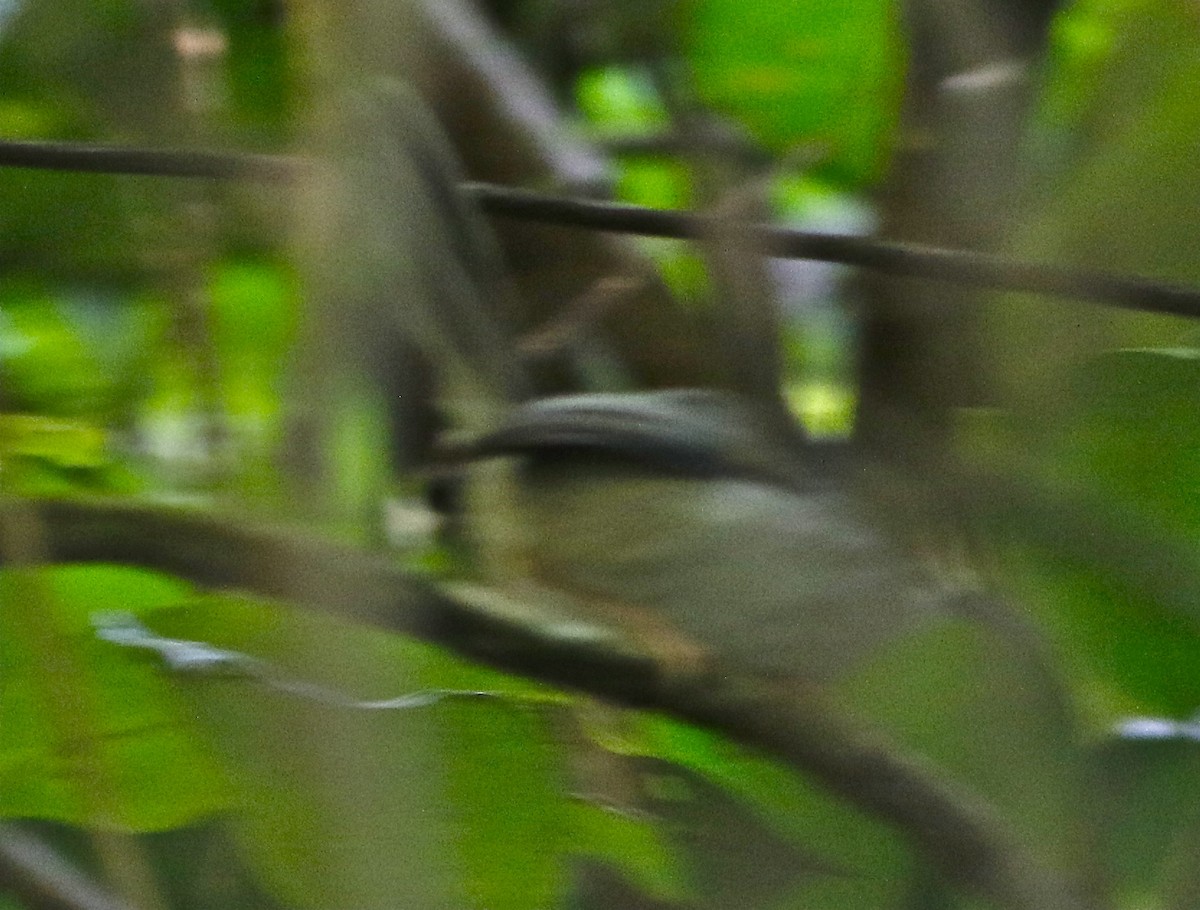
(423, 258)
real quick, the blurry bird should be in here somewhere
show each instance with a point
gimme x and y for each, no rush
(691, 507)
(681, 504)
(720, 536)
(694, 520)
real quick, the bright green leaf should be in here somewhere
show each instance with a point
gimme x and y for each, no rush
(797, 72)
(68, 443)
(341, 806)
(156, 774)
(45, 365)
(620, 100)
(255, 308)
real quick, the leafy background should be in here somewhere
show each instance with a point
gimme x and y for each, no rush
(144, 330)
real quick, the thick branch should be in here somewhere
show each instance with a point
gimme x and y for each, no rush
(955, 832)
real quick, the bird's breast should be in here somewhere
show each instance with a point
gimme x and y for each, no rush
(773, 581)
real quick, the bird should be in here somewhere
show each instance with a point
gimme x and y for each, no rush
(698, 511)
(721, 539)
(693, 507)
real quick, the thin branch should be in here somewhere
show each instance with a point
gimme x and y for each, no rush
(904, 259)
(957, 833)
(91, 158)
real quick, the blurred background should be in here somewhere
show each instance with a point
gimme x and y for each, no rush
(172, 342)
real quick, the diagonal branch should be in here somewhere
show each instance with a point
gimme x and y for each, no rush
(890, 257)
(953, 830)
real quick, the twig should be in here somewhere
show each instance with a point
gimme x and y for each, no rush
(582, 313)
(955, 832)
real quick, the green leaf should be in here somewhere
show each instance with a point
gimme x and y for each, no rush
(44, 361)
(72, 352)
(254, 306)
(795, 72)
(504, 782)
(1107, 57)
(1135, 432)
(620, 100)
(260, 72)
(756, 819)
(1120, 195)
(1124, 652)
(975, 699)
(342, 806)
(156, 774)
(1111, 562)
(634, 844)
(1148, 817)
(335, 807)
(69, 443)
